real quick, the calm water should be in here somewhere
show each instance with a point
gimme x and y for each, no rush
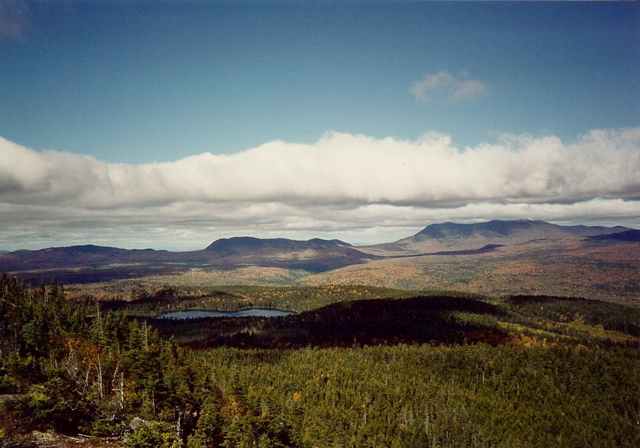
(252, 312)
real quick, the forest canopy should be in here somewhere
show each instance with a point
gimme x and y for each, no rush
(563, 373)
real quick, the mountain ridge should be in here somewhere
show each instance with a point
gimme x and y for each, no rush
(314, 255)
(91, 263)
(449, 236)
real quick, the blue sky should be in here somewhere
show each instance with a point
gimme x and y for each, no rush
(144, 88)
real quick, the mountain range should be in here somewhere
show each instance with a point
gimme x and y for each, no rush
(89, 263)
(450, 236)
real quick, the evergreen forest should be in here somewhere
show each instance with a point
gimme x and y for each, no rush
(357, 367)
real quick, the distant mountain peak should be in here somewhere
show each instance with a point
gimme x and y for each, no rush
(495, 227)
(241, 244)
(506, 228)
(450, 236)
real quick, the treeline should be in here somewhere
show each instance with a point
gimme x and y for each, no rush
(74, 368)
(609, 316)
(71, 368)
(138, 298)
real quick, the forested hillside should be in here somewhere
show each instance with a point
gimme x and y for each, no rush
(562, 373)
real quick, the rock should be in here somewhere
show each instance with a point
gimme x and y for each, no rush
(137, 422)
(43, 436)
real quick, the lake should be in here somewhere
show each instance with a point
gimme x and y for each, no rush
(251, 312)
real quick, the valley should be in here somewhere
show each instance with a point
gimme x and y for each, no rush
(507, 333)
(373, 367)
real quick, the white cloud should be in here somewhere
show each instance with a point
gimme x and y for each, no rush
(469, 89)
(458, 88)
(353, 187)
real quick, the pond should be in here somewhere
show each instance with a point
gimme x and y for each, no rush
(251, 312)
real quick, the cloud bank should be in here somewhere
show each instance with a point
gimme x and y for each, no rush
(458, 88)
(353, 187)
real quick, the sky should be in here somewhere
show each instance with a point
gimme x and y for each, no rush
(170, 124)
